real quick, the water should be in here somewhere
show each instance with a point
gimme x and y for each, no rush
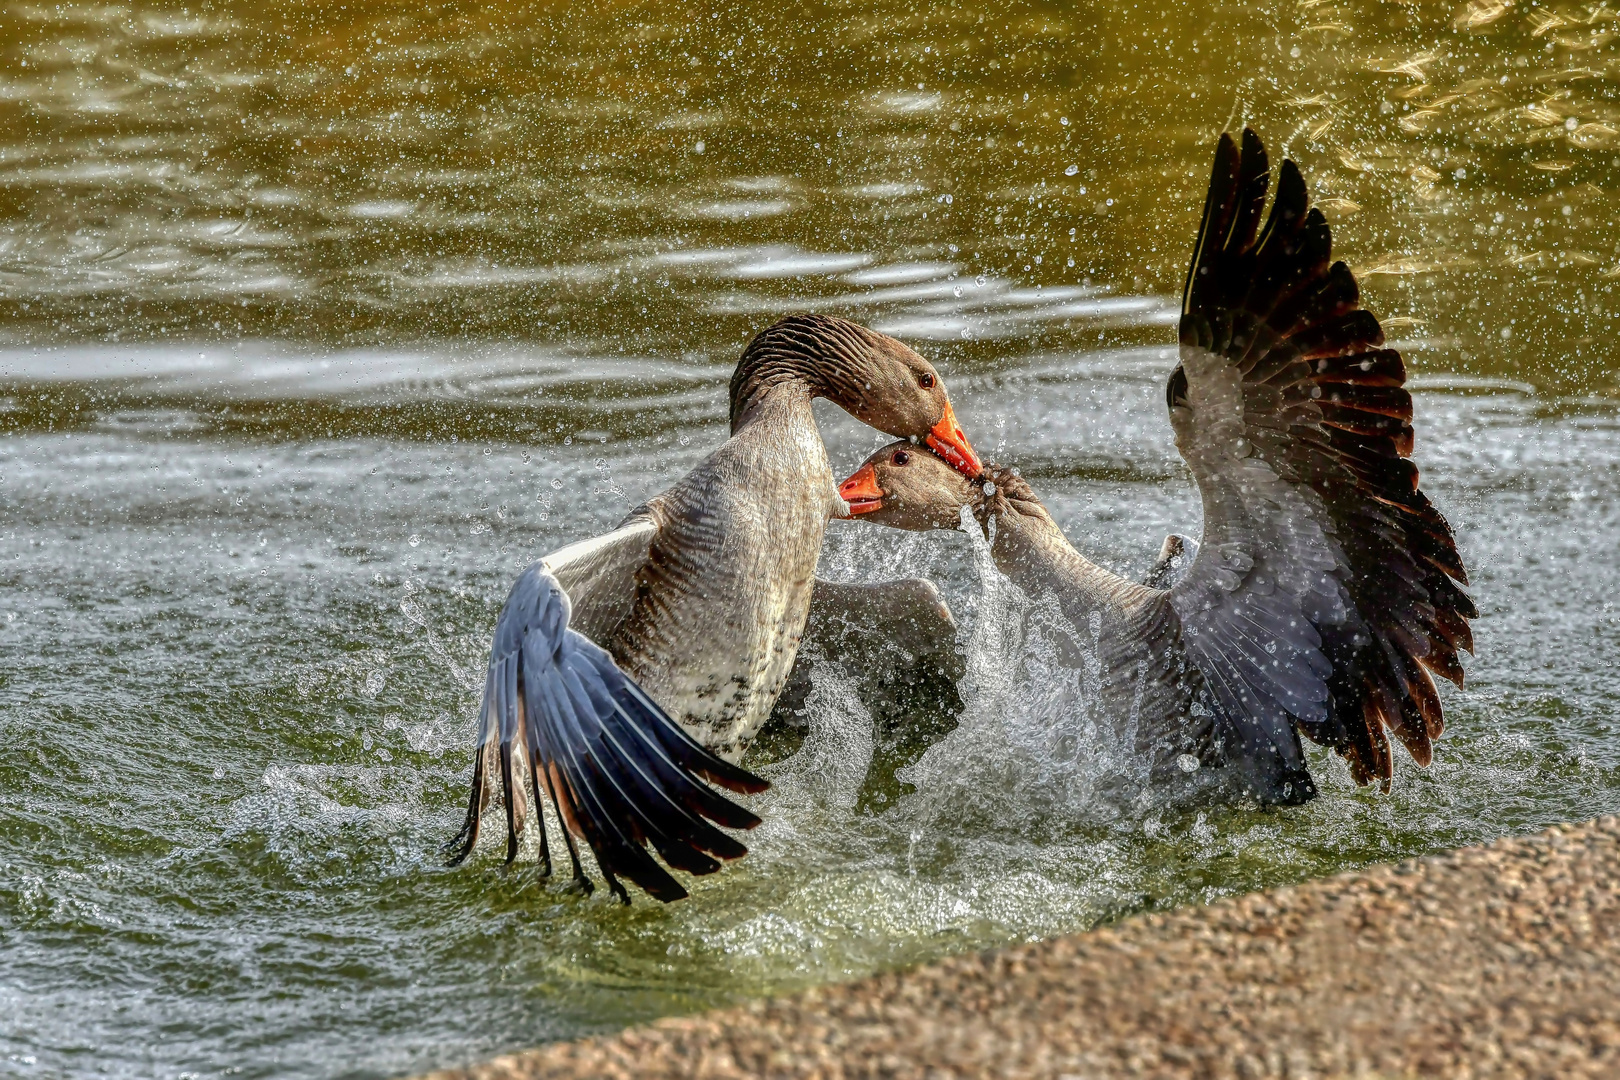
(315, 327)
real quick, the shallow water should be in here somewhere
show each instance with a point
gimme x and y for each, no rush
(315, 328)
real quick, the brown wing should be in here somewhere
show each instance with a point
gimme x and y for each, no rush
(1327, 589)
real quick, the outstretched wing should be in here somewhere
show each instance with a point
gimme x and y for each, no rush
(620, 772)
(599, 575)
(1326, 590)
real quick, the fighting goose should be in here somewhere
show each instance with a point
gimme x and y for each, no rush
(1325, 593)
(629, 667)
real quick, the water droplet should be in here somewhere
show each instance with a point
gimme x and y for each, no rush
(1071, 170)
(1187, 763)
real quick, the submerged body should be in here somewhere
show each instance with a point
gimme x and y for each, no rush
(1325, 593)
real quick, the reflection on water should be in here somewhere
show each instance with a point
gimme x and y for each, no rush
(315, 325)
(651, 180)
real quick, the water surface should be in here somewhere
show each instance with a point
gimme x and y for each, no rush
(316, 327)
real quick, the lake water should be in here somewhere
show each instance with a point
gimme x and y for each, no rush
(316, 327)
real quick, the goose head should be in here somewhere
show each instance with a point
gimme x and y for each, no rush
(906, 487)
(877, 379)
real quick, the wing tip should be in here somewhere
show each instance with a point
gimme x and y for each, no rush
(735, 778)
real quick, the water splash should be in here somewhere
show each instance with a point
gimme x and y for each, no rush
(831, 766)
(1034, 744)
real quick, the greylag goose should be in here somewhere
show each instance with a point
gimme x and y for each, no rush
(1325, 594)
(629, 668)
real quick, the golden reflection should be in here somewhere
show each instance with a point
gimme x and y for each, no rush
(369, 172)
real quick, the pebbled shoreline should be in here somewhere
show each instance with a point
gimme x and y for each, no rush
(1493, 961)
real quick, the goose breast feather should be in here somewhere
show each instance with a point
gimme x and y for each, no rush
(723, 597)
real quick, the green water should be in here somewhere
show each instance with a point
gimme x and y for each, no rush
(316, 327)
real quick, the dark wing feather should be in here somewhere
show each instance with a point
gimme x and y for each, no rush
(620, 771)
(1327, 592)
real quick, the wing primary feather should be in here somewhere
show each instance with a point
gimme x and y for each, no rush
(511, 781)
(660, 784)
(1217, 214)
(688, 753)
(565, 816)
(641, 794)
(1282, 370)
(1255, 179)
(621, 774)
(603, 829)
(532, 752)
(461, 845)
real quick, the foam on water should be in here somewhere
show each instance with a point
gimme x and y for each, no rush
(242, 678)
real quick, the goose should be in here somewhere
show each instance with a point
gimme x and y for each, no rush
(1326, 592)
(629, 668)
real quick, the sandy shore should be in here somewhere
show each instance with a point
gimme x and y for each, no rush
(1496, 961)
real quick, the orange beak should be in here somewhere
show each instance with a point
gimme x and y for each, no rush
(946, 440)
(861, 491)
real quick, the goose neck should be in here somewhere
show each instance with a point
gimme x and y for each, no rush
(1032, 551)
(784, 366)
(785, 401)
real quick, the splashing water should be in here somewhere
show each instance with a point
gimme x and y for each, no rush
(831, 766)
(1034, 743)
(293, 389)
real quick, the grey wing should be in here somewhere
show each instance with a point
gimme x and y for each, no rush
(620, 772)
(599, 575)
(878, 622)
(1326, 589)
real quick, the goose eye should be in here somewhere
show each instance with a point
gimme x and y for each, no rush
(901, 457)
(926, 380)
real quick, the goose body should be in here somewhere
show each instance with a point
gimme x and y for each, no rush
(725, 593)
(695, 607)
(1325, 593)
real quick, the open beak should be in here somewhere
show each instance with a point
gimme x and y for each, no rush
(946, 440)
(861, 491)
